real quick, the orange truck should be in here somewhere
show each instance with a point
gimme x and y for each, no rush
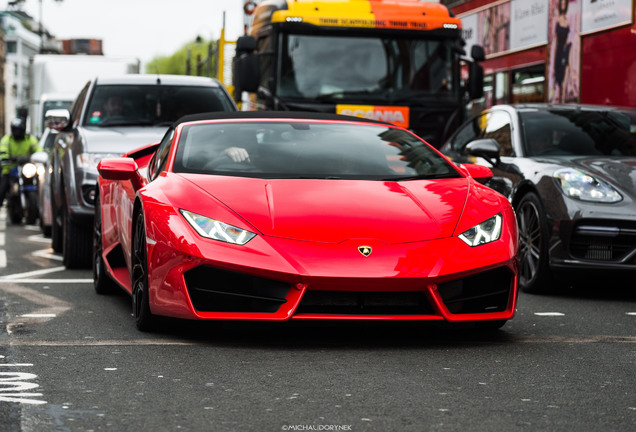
(399, 61)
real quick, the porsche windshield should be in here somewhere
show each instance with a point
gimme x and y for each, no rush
(323, 150)
(389, 69)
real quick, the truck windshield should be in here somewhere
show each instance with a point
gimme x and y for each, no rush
(364, 67)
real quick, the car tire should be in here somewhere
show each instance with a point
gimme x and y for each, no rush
(32, 208)
(77, 243)
(102, 282)
(144, 319)
(56, 228)
(535, 275)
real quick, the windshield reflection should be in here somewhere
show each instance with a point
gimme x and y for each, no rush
(365, 67)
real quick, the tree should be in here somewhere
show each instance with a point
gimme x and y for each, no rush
(192, 52)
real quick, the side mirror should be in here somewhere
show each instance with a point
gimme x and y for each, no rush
(245, 44)
(479, 172)
(487, 148)
(57, 119)
(477, 53)
(120, 169)
(476, 73)
(246, 72)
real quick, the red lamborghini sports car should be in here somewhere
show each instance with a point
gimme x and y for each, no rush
(279, 216)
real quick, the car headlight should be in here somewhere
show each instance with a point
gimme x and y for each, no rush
(29, 170)
(485, 232)
(89, 161)
(584, 187)
(217, 230)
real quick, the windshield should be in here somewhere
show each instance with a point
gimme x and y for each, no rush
(373, 67)
(148, 105)
(573, 132)
(283, 149)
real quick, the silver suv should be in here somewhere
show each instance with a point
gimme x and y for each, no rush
(110, 117)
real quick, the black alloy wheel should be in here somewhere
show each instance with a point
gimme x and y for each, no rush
(144, 319)
(534, 271)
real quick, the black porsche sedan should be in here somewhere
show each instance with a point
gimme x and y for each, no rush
(570, 173)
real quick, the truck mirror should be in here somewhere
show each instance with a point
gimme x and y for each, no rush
(477, 53)
(57, 119)
(475, 81)
(246, 72)
(245, 44)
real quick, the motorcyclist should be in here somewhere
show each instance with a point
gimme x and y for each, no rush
(15, 147)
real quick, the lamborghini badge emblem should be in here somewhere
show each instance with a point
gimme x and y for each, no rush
(365, 250)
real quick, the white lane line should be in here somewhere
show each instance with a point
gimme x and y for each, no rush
(631, 313)
(49, 281)
(32, 273)
(549, 314)
(39, 238)
(51, 307)
(47, 253)
(3, 258)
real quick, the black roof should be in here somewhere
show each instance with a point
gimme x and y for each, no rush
(299, 115)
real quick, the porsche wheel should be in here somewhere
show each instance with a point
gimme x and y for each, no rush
(144, 319)
(534, 270)
(102, 283)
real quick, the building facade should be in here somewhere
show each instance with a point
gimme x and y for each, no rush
(553, 50)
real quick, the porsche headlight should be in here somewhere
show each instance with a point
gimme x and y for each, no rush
(485, 232)
(217, 230)
(584, 187)
(29, 170)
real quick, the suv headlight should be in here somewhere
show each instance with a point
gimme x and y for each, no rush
(217, 230)
(485, 232)
(578, 185)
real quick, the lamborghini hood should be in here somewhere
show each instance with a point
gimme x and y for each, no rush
(333, 211)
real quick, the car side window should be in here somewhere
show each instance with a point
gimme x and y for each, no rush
(161, 156)
(78, 105)
(497, 125)
(491, 124)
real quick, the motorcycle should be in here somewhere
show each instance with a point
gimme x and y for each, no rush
(22, 196)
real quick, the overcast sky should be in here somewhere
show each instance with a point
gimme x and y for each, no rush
(140, 28)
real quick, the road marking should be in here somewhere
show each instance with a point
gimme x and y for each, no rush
(39, 238)
(48, 281)
(2, 238)
(32, 273)
(47, 253)
(631, 313)
(14, 386)
(33, 315)
(51, 306)
(3, 258)
(551, 314)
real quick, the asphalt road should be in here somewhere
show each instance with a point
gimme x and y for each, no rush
(71, 360)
